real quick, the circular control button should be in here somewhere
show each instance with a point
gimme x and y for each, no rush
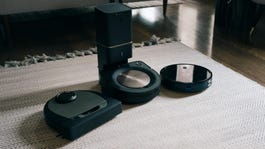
(65, 97)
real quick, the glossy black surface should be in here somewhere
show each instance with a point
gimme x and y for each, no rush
(186, 73)
(186, 78)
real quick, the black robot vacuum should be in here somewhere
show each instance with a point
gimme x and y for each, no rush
(131, 83)
(74, 113)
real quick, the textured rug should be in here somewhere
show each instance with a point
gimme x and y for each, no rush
(229, 114)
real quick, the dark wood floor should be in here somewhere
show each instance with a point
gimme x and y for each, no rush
(192, 22)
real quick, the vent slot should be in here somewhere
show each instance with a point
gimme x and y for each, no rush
(88, 112)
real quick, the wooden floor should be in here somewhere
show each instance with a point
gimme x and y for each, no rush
(192, 22)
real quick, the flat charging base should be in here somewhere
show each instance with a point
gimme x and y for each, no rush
(74, 128)
(186, 78)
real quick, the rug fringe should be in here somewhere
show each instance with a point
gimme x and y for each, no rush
(34, 59)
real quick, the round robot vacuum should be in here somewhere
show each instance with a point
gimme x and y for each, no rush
(134, 83)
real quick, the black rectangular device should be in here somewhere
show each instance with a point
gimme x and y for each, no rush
(113, 36)
(107, 56)
(84, 111)
(133, 82)
(113, 24)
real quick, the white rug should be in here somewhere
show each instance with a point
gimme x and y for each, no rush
(229, 114)
(142, 4)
